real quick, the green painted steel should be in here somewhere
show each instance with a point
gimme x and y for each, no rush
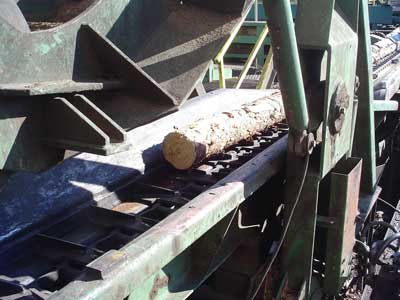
(364, 139)
(298, 250)
(327, 43)
(379, 15)
(286, 57)
(137, 28)
(153, 53)
(343, 211)
(213, 73)
(386, 106)
(188, 242)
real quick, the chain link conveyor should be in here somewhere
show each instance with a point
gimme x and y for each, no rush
(89, 208)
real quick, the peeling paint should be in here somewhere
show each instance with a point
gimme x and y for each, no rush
(45, 48)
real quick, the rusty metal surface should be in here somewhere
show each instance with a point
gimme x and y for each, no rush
(80, 245)
(130, 207)
(343, 208)
(85, 177)
(124, 271)
(339, 106)
(326, 38)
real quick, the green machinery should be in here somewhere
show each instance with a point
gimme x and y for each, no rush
(322, 113)
(115, 222)
(381, 14)
(97, 52)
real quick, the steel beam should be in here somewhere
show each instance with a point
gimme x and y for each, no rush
(151, 33)
(77, 124)
(343, 210)
(125, 272)
(85, 178)
(287, 62)
(380, 105)
(364, 138)
(10, 12)
(152, 52)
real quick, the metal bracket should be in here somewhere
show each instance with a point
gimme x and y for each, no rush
(318, 95)
(77, 124)
(345, 187)
(115, 62)
(302, 144)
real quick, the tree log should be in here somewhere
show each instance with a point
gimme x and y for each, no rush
(190, 145)
(386, 47)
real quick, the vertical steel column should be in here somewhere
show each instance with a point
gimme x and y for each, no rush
(364, 141)
(287, 62)
(256, 19)
(259, 43)
(301, 196)
(268, 73)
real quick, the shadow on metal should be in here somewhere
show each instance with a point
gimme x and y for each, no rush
(138, 60)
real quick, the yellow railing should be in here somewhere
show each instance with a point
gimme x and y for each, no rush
(267, 70)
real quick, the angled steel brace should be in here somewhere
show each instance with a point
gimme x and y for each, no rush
(77, 124)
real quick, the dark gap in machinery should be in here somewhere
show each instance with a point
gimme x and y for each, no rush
(60, 254)
(47, 14)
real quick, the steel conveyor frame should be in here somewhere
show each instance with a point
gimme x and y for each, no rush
(163, 263)
(160, 263)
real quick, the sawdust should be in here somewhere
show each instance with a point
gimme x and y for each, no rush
(65, 12)
(70, 9)
(35, 26)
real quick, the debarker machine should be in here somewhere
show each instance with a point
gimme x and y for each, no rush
(307, 209)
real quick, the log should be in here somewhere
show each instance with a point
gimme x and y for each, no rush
(72, 179)
(386, 47)
(190, 145)
(382, 50)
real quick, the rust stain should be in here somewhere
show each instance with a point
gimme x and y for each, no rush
(130, 207)
(116, 255)
(352, 208)
(160, 282)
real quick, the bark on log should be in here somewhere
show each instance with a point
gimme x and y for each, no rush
(188, 146)
(382, 50)
(386, 47)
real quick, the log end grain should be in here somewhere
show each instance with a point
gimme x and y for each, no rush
(181, 152)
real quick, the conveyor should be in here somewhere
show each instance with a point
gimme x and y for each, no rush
(90, 210)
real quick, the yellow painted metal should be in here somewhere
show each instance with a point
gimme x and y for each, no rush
(252, 56)
(221, 81)
(219, 58)
(266, 71)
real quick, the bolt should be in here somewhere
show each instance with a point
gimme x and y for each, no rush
(340, 113)
(379, 216)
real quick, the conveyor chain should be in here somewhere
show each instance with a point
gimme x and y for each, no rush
(52, 259)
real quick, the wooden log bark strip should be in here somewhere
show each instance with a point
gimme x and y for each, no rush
(386, 47)
(190, 145)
